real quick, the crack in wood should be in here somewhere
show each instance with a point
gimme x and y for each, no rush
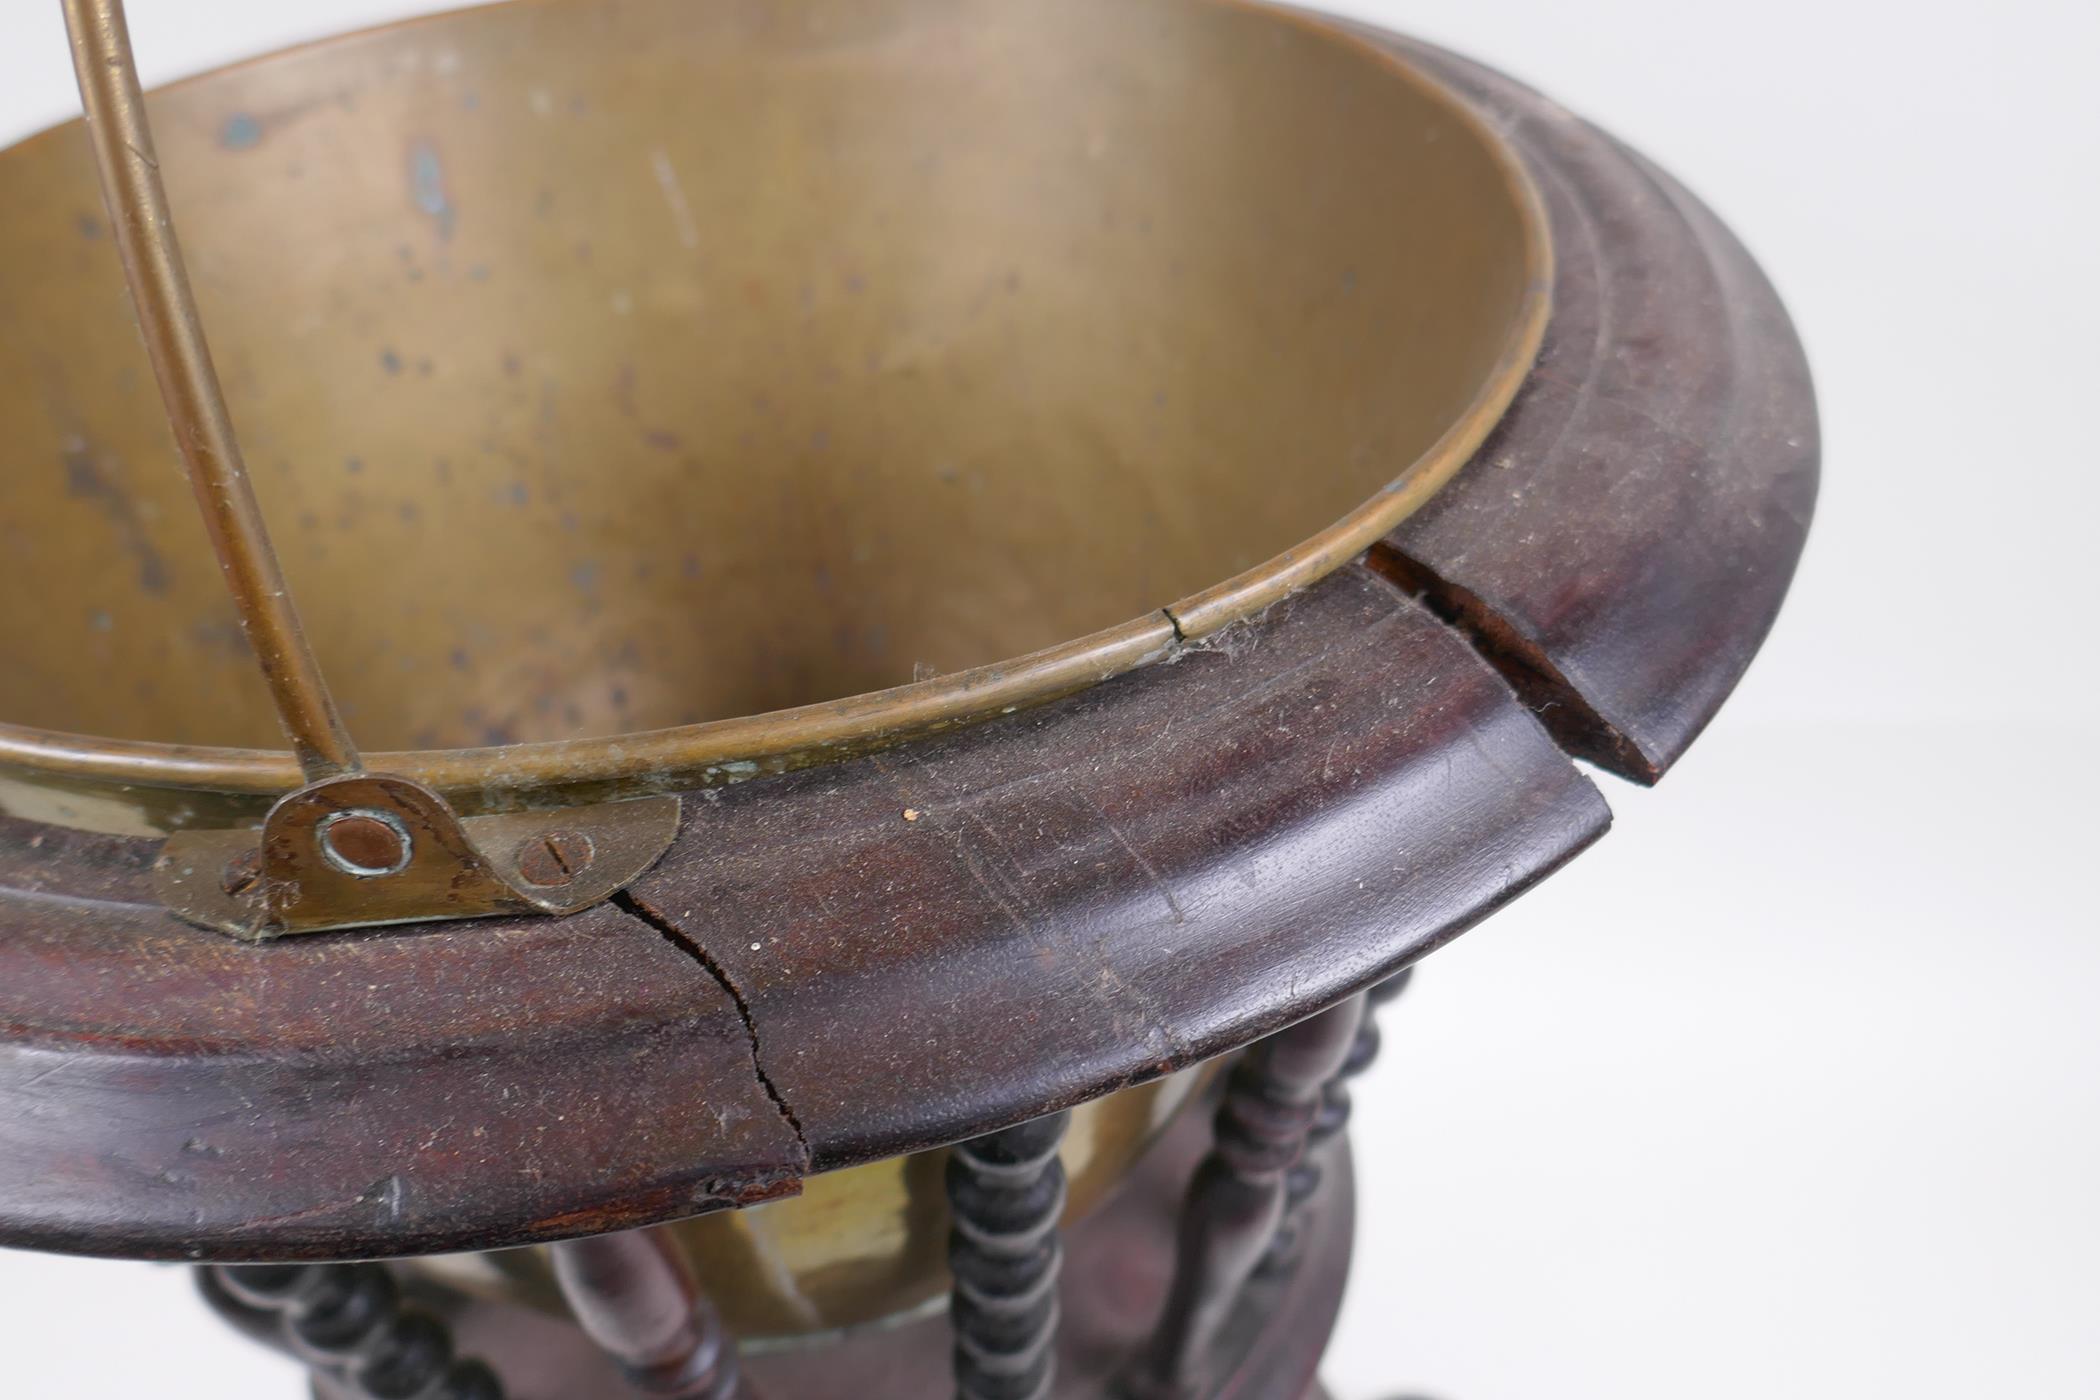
(1574, 724)
(686, 944)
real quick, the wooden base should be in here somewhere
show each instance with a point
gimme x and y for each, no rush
(1117, 1267)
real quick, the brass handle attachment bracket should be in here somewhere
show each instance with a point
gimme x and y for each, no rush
(372, 849)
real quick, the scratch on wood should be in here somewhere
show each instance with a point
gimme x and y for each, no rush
(1152, 874)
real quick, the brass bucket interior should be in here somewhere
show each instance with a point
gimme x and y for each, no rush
(606, 367)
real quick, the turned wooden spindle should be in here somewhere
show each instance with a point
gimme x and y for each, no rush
(1236, 1200)
(348, 1322)
(634, 1294)
(1006, 1194)
(1331, 1121)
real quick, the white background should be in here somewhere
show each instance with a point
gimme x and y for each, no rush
(1792, 1086)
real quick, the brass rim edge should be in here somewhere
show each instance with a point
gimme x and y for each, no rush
(722, 751)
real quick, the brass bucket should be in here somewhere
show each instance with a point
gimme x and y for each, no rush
(645, 394)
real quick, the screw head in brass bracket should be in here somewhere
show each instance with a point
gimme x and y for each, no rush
(370, 849)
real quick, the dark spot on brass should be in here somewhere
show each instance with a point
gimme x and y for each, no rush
(426, 180)
(91, 476)
(242, 872)
(841, 433)
(555, 859)
(240, 133)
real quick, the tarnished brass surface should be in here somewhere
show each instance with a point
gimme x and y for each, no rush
(370, 849)
(615, 374)
(859, 1245)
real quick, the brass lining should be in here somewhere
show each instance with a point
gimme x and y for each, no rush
(1093, 82)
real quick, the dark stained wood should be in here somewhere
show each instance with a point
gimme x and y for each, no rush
(1126, 882)
(347, 1321)
(1622, 543)
(1331, 1121)
(1118, 1263)
(634, 1295)
(1006, 1194)
(259, 1325)
(170, 1092)
(1237, 1199)
(1148, 874)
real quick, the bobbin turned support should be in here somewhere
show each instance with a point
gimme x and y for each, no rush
(1331, 1121)
(1237, 1200)
(348, 1322)
(634, 1294)
(1006, 1193)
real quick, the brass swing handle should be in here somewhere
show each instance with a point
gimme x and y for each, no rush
(189, 386)
(349, 848)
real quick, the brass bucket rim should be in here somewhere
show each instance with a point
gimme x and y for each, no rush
(717, 751)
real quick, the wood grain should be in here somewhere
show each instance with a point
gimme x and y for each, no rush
(1237, 1200)
(1622, 543)
(167, 1092)
(998, 924)
(634, 1295)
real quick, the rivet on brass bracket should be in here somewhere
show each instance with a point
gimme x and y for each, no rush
(372, 849)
